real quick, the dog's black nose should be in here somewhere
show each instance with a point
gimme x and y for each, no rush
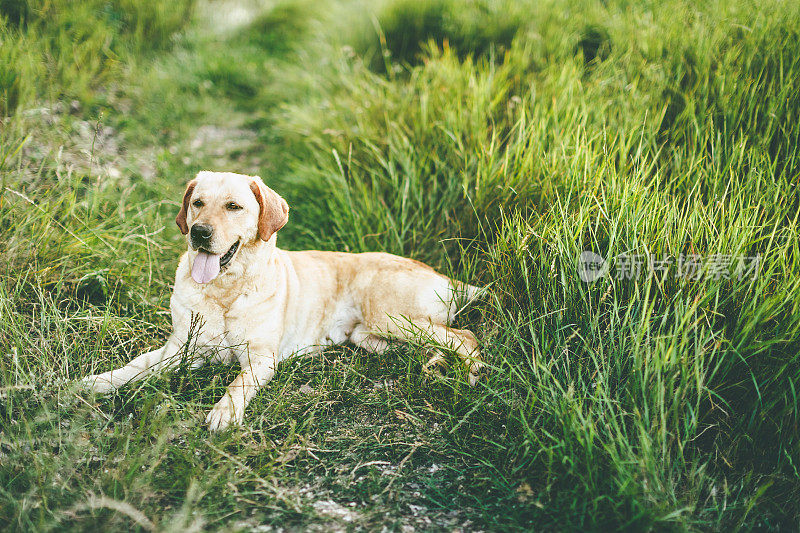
(201, 233)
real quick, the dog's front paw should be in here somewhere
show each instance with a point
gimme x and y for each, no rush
(223, 416)
(97, 384)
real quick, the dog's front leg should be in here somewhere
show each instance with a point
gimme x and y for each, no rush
(139, 368)
(229, 411)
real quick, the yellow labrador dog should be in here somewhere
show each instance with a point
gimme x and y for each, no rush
(258, 304)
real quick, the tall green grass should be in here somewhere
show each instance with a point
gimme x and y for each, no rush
(614, 129)
(494, 141)
(55, 50)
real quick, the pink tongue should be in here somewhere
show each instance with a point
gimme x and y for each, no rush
(205, 267)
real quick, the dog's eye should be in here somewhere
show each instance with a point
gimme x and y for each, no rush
(233, 206)
(197, 203)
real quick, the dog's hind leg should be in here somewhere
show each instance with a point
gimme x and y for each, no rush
(364, 338)
(461, 341)
(464, 343)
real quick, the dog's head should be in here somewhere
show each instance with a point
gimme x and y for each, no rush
(221, 213)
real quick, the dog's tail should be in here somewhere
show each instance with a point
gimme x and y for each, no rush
(463, 294)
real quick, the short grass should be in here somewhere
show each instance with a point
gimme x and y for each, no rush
(494, 140)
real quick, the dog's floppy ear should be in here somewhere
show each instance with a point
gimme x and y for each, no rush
(180, 220)
(273, 210)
